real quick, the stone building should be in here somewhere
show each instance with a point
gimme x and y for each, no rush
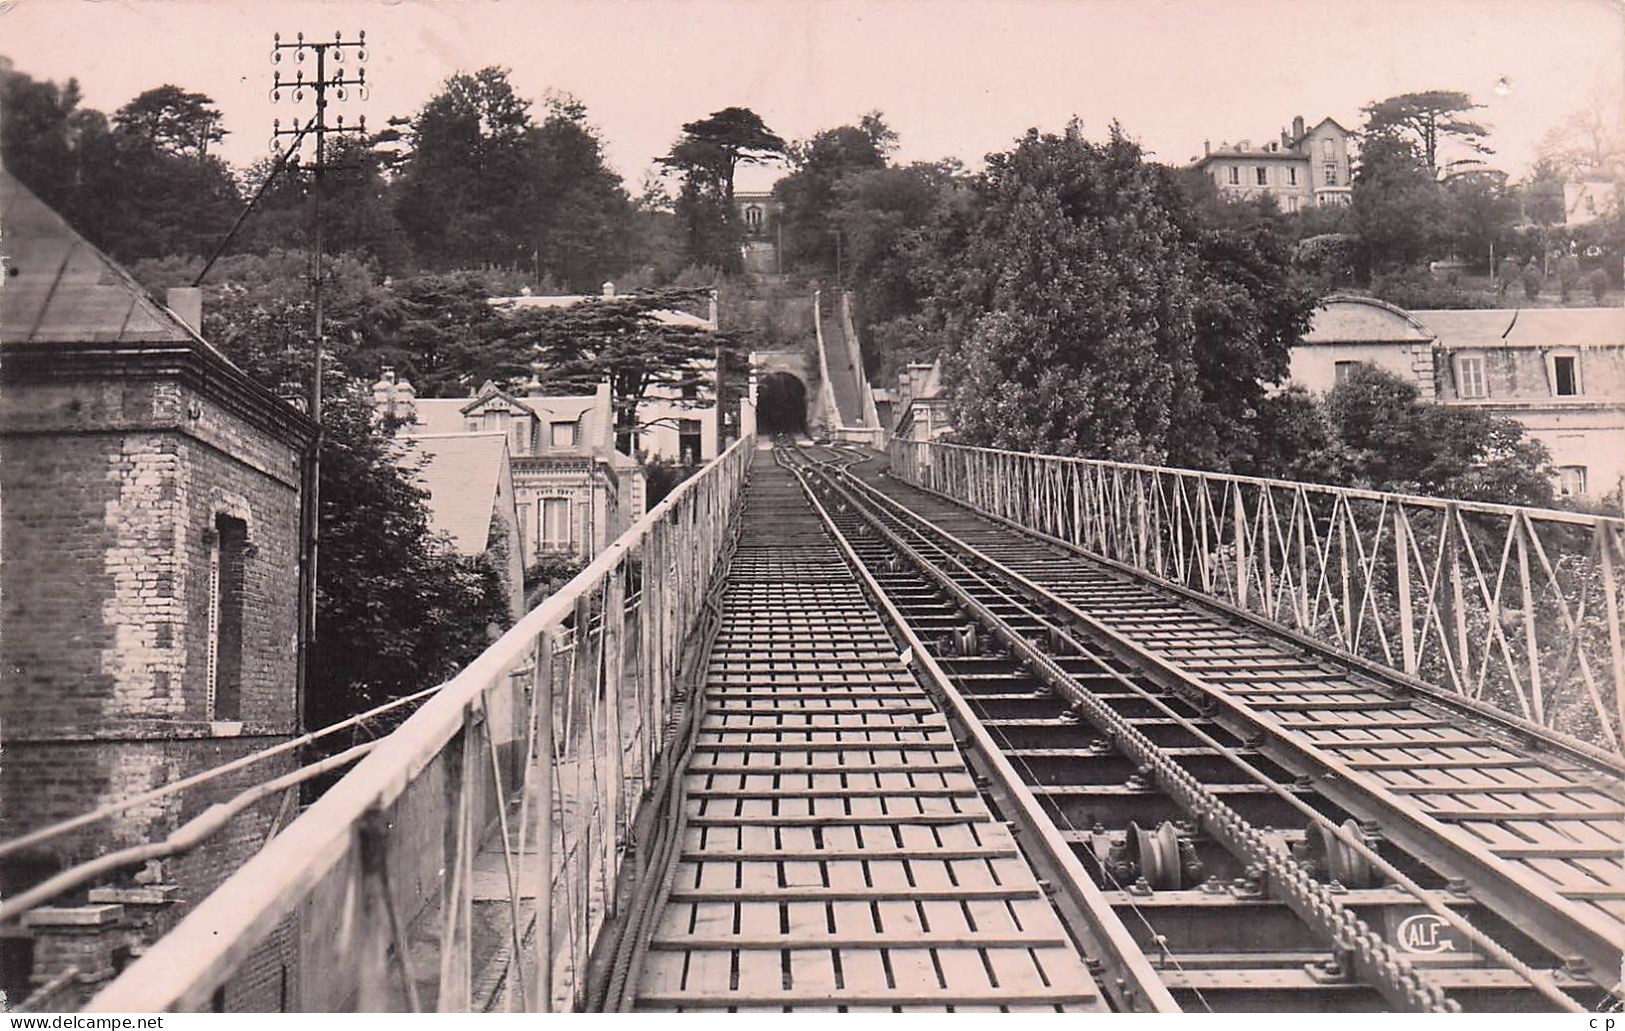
(573, 493)
(757, 212)
(1307, 167)
(149, 572)
(921, 404)
(1558, 371)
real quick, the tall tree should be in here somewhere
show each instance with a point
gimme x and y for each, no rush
(1483, 210)
(172, 120)
(706, 157)
(1398, 209)
(1428, 120)
(807, 195)
(1073, 318)
(466, 188)
(583, 218)
(624, 340)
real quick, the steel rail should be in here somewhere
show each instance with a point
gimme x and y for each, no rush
(1352, 940)
(1136, 985)
(1407, 827)
(1546, 737)
(1540, 981)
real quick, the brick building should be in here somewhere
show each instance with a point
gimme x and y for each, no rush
(149, 566)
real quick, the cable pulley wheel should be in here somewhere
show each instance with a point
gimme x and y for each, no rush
(1159, 854)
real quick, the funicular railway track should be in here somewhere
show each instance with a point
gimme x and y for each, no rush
(1271, 829)
(836, 853)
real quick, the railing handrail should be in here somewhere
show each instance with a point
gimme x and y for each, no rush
(219, 931)
(1363, 493)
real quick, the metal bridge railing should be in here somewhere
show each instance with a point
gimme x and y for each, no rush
(512, 789)
(1517, 608)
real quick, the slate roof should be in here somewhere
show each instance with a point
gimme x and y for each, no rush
(1343, 319)
(1528, 327)
(58, 289)
(461, 472)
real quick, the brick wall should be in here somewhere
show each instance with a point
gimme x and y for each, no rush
(114, 485)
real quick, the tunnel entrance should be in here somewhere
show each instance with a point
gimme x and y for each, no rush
(781, 404)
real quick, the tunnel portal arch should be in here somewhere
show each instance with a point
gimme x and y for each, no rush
(781, 404)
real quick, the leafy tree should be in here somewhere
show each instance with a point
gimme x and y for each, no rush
(582, 224)
(1076, 314)
(807, 194)
(623, 340)
(1388, 438)
(39, 133)
(1398, 211)
(1506, 274)
(1541, 193)
(1426, 120)
(706, 157)
(397, 609)
(172, 120)
(1482, 210)
(358, 214)
(901, 228)
(466, 187)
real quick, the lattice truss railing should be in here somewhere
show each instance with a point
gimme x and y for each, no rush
(1515, 607)
(493, 820)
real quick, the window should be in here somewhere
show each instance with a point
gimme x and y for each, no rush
(523, 511)
(496, 422)
(1565, 377)
(228, 547)
(691, 390)
(688, 440)
(1327, 150)
(1261, 175)
(1292, 175)
(1571, 480)
(1292, 204)
(556, 523)
(753, 218)
(1343, 370)
(1235, 176)
(519, 437)
(1330, 173)
(562, 434)
(1470, 376)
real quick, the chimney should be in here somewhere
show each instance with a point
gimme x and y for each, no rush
(1207, 147)
(392, 398)
(187, 304)
(1297, 127)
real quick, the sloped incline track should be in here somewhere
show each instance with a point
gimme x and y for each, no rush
(836, 852)
(1306, 711)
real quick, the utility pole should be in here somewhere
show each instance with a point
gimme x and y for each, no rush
(317, 127)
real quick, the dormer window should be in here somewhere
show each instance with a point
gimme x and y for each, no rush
(1470, 376)
(562, 434)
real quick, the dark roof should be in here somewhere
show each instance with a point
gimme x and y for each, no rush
(60, 289)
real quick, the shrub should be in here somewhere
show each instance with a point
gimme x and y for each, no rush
(1597, 283)
(1532, 280)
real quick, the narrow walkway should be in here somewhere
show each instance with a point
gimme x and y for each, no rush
(843, 376)
(836, 854)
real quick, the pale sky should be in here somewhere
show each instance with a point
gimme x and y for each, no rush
(954, 77)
